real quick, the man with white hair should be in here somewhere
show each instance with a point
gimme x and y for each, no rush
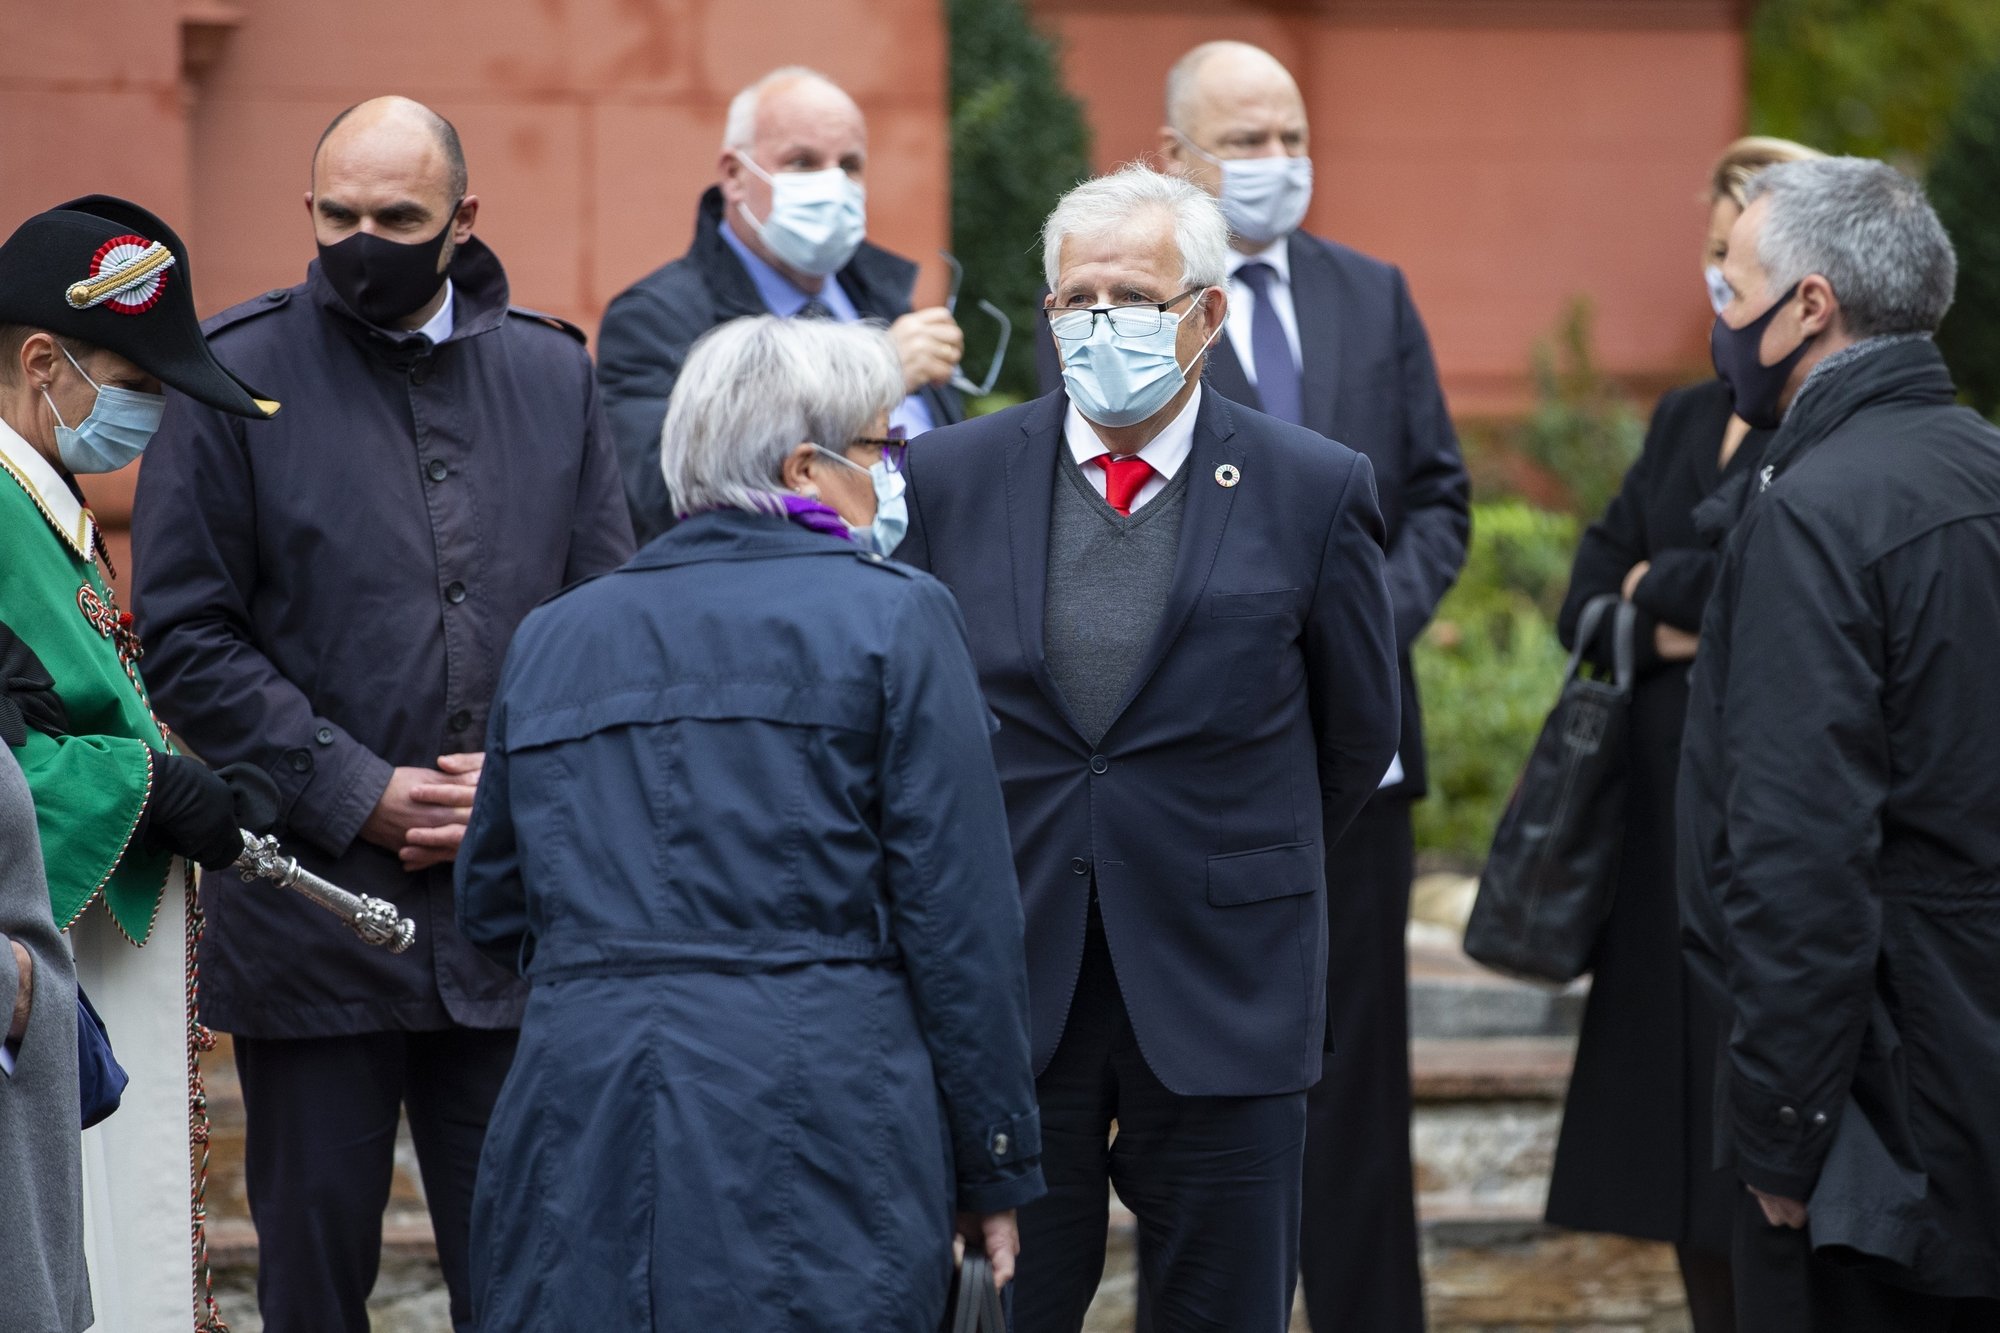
(780, 233)
(1839, 802)
(1178, 611)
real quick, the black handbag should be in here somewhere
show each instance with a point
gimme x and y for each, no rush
(975, 1305)
(1553, 869)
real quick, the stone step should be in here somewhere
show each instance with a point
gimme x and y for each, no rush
(1454, 998)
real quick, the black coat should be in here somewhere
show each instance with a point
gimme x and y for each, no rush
(1370, 382)
(1256, 725)
(649, 327)
(329, 593)
(1840, 822)
(1635, 1156)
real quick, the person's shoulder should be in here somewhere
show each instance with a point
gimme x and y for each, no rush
(1296, 449)
(977, 437)
(254, 317)
(1347, 258)
(537, 325)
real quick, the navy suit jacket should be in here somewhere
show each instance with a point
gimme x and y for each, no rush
(1254, 728)
(1368, 380)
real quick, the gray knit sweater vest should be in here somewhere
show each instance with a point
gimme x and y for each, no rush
(1108, 582)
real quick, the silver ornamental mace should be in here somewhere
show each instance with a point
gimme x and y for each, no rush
(373, 919)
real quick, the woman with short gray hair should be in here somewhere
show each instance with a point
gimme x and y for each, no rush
(739, 827)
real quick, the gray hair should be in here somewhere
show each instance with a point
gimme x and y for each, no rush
(740, 129)
(755, 389)
(1868, 230)
(1098, 207)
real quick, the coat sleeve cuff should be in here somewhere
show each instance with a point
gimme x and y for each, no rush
(1780, 1141)
(998, 1196)
(335, 782)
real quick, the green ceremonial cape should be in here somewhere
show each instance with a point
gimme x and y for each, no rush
(90, 786)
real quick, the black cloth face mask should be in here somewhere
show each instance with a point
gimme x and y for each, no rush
(382, 280)
(1755, 386)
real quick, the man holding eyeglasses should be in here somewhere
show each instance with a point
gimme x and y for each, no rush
(780, 233)
(1179, 616)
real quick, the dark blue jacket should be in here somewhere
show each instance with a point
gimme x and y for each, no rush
(330, 593)
(1368, 380)
(1253, 731)
(739, 826)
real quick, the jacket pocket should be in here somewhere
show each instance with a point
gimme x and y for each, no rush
(1269, 603)
(1236, 878)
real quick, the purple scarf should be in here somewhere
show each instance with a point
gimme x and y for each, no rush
(817, 516)
(813, 515)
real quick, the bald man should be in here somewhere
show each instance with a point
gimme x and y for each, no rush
(330, 600)
(780, 233)
(1326, 337)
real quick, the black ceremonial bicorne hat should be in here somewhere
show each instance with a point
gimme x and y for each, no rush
(108, 273)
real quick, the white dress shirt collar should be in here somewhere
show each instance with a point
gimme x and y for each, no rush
(1164, 453)
(45, 486)
(439, 326)
(1278, 254)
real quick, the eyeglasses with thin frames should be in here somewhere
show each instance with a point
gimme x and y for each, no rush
(1127, 321)
(895, 446)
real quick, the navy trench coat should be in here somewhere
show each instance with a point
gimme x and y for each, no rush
(740, 829)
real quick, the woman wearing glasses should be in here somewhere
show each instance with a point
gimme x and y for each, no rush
(740, 829)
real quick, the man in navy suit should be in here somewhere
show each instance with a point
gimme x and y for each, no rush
(1328, 338)
(1178, 610)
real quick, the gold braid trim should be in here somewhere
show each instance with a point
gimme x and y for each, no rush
(98, 290)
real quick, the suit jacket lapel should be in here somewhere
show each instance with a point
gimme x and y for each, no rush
(1315, 300)
(1207, 514)
(1226, 376)
(1031, 479)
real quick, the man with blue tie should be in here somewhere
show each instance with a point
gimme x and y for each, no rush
(1178, 611)
(1324, 336)
(782, 232)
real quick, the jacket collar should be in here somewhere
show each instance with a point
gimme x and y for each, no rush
(877, 281)
(735, 534)
(1905, 371)
(51, 494)
(479, 303)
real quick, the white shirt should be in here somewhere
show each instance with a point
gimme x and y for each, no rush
(44, 485)
(1164, 453)
(439, 326)
(1243, 302)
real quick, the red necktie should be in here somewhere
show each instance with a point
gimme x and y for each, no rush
(1123, 479)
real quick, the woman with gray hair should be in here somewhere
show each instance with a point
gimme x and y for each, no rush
(739, 827)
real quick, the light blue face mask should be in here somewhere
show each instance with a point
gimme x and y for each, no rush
(818, 218)
(120, 425)
(1120, 381)
(892, 506)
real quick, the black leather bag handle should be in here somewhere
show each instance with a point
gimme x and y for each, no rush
(1623, 654)
(976, 1306)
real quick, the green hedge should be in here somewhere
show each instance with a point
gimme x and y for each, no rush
(1488, 668)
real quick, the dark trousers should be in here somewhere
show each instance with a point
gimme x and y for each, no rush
(1358, 1253)
(1213, 1182)
(320, 1154)
(1782, 1287)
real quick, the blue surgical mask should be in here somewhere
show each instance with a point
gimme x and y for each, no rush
(817, 218)
(120, 425)
(892, 511)
(892, 506)
(1120, 381)
(1263, 198)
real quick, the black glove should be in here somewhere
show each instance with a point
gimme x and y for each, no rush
(27, 693)
(254, 794)
(192, 812)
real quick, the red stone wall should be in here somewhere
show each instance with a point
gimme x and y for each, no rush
(1510, 155)
(590, 126)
